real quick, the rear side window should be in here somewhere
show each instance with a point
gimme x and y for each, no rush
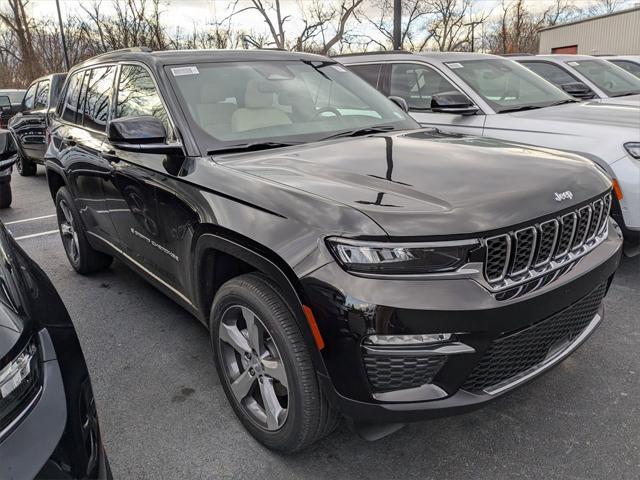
(70, 106)
(137, 96)
(370, 73)
(98, 98)
(30, 96)
(551, 73)
(417, 84)
(42, 97)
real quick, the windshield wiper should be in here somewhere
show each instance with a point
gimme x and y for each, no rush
(249, 147)
(562, 102)
(625, 94)
(361, 131)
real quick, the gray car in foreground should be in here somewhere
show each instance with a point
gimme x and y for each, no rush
(492, 96)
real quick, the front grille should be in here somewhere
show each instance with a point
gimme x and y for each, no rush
(517, 352)
(387, 373)
(532, 251)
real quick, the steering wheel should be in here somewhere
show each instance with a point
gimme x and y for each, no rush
(335, 111)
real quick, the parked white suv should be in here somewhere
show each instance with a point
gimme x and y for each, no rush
(583, 76)
(492, 96)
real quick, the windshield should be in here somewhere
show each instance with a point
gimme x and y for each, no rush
(628, 65)
(234, 103)
(611, 79)
(506, 85)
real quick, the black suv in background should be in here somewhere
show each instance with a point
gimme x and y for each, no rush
(10, 104)
(48, 421)
(30, 124)
(344, 260)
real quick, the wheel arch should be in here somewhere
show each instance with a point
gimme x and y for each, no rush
(55, 180)
(221, 255)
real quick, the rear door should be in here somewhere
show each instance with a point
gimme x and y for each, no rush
(417, 83)
(29, 125)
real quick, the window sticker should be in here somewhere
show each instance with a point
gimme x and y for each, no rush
(574, 64)
(179, 71)
(455, 65)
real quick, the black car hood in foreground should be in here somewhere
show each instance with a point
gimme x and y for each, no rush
(425, 183)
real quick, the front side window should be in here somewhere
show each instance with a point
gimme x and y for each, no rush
(30, 97)
(42, 97)
(417, 84)
(506, 85)
(551, 72)
(369, 73)
(137, 96)
(612, 80)
(71, 103)
(631, 67)
(98, 96)
(289, 101)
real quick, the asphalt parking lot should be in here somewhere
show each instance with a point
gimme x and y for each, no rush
(164, 414)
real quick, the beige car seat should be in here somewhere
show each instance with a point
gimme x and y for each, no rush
(213, 115)
(258, 111)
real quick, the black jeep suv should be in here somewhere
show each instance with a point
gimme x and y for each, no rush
(344, 260)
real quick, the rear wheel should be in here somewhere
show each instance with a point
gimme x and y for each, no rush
(26, 167)
(81, 255)
(5, 193)
(265, 366)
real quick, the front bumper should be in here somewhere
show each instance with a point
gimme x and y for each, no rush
(347, 313)
(627, 173)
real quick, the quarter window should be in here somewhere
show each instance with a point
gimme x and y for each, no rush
(71, 102)
(417, 84)
(138, 96)
(30, 96)
(98, 96)
(42, 97)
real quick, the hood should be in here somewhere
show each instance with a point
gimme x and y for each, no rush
(428, 184)
(592, 113)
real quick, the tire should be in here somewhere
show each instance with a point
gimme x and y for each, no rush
(83, 258)
(5, 194)
(308, 416)
(26, 167)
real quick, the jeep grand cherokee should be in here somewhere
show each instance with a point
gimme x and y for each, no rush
(345, 261)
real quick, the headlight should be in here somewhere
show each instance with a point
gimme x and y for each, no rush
(19, 380)
(401, 258)
(633, 148)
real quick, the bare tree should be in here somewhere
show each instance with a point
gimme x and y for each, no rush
(602, 7)
(450, 27)
(21, 48)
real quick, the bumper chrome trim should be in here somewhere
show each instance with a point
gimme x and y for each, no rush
(553, 359)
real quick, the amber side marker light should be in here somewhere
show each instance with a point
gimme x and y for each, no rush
(311, 320)
(617, 189)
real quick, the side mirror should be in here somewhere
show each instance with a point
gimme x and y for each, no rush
(578, 90)
(145, 134)
(8, 149)
(5, 103)
(453, 102)
(401, 102)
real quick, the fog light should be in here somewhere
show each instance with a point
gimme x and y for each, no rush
(400, 340)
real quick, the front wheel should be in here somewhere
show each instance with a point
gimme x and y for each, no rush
(265, 366)
(83, 258)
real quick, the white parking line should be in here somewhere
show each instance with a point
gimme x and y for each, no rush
(33, 235)
(30, 219)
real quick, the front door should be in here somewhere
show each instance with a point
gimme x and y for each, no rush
(29, 125)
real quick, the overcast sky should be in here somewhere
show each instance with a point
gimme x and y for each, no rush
(186, 13)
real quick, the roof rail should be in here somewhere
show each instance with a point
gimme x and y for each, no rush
(124, 50)
(381, 52)
(517, 55)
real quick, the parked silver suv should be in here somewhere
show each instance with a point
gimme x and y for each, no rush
(492, 96)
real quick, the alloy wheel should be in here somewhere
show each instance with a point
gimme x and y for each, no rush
(69, 233)
(254, 368)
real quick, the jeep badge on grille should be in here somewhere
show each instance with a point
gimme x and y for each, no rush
(559, 197)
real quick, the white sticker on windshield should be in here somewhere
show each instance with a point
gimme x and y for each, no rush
(455, 65)
(574, 64)
(339, 68)
(178, 71)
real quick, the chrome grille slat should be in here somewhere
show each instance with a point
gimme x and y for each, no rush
(545, 250)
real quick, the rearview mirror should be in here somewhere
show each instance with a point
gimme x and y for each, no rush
(401, 102)
(578, 90)
(453, 102)
(144, 134)
(5, 103)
